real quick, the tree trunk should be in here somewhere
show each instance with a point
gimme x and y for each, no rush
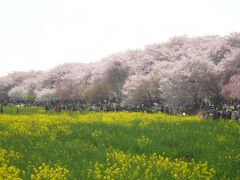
(58, 107)
(1, 109)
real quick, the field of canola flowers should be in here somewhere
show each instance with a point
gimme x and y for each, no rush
(71, 145)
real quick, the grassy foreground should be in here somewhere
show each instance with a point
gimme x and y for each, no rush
(36, 145)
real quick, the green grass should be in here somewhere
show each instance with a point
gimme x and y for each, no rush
(79, 141)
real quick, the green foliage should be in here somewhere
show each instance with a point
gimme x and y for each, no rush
(98, 93)
(31, 97)
(35, 144)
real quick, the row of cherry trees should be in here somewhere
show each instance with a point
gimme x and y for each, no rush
(181, 72)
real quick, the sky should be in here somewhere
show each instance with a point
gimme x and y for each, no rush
(40, 34)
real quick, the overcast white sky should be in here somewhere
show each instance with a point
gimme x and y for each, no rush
(39, 34)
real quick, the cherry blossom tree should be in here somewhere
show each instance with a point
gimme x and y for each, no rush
(187, 83)
(98, 93)
(234, 39)
(115, 76)
(231, 64)
(212, 84)
(231, 91)
(55, 76)
(140, 90)
(69, 90)
(5, 86)
(18, 94)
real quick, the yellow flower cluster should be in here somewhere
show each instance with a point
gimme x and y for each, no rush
(45, 172)
(119, 165)
(143, 141)
(36, 125)
(126, 119)
(39, 124)
(96, 134)
(7, 171)
(220, 138)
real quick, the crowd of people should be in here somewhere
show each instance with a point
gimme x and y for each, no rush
(104, 107)
(209, 111)
(222, 112)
